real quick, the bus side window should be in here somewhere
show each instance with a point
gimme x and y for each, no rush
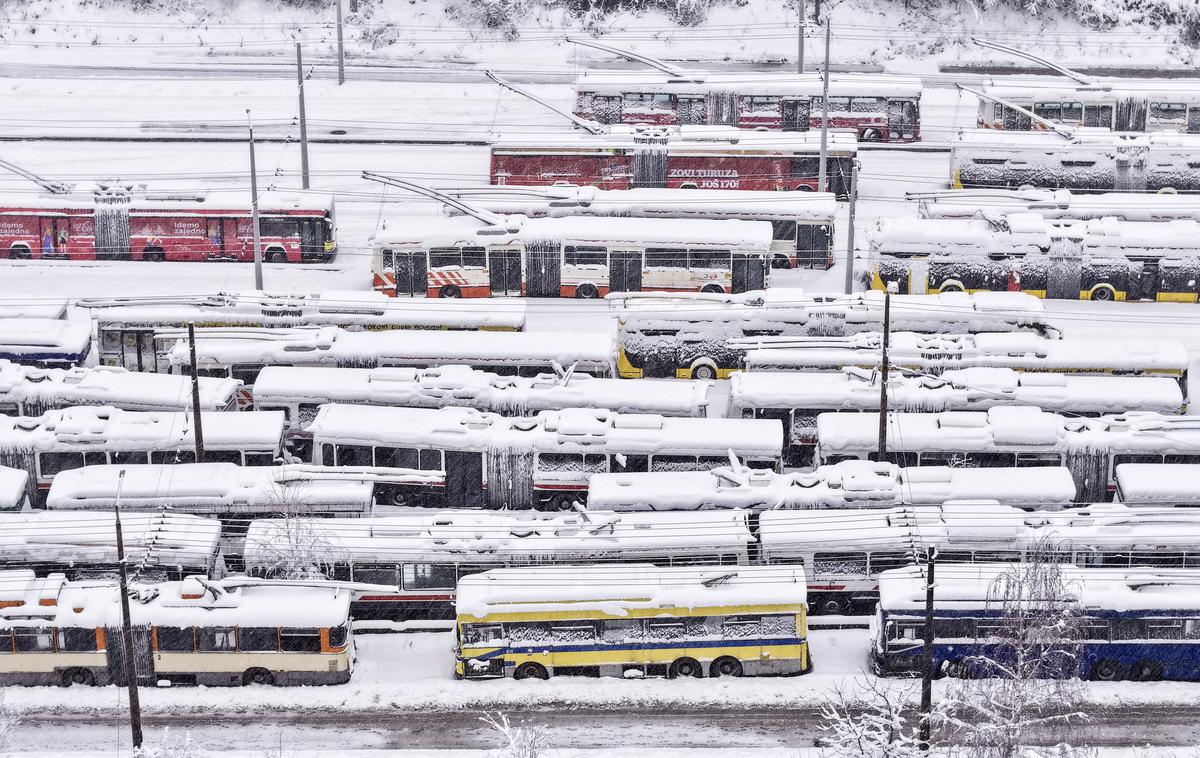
(623, 463)
(260, 639)
(259, 459)
(478, 634)
(355, 455)
(429, 576)
(6, 641)
(50, 464)
(622, 630)
(740, 626)
(34, 640)
(300, 640)
(173, 456)
(217, 639)
(784, 231)
(174, 639)
(840, 563)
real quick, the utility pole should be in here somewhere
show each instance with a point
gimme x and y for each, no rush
(927, 653)
(824, 113)
(800, 39)
(135, 706)
(196, 424)
(850, 227)
(303, 120)
(883, 375)
(341, 49)
(258, 273)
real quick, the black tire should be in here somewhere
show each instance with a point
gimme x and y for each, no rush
(685, 668)
(835, 606)
(154, 254)
(19, 253)
(872, 135)
(563, 503)
(804, 188)
(276, 256)
(725, 667)
(956, 669)
(82, 677)
(1103, 295)
(587, 292)
(1107, 670)
(449, 291)
(1146, 671)
(781, 262)
(531, 670)
(713, 288)
(258, 676)
(951, 288)
(704, 372)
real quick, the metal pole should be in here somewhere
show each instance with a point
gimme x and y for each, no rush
(303, 120)
(258, 272)
(824, 113)
(196, 424)
(850, 228)
(341, 49)
(883, 375)
(135, 706)
(927, 653)
(800, 40)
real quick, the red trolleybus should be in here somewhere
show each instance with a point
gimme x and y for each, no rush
(175, 228)
(686, 157)
(879, 107)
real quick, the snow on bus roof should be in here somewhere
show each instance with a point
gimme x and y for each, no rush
(210, 488)
(971, 586)
(1021, 427)
(1026, 231)
(977, 388)
(573, 430)
(475, 537)
(13, 482)
(456, 385)
(111, 385)
(685, 140)
(650, 232)
(74, 537)
(617, 590)
(1158, 483)
(42, 308)
(1105, 89)
(335, 346)
(1083, 139)
(1061, 204)
(140, 430)
(746, 83)
(34, 335)
(193, 602)
(224, 201)
(841, 485)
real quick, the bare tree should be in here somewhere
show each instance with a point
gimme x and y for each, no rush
(872, 718)
(522, 741)
(294, 546)
(10, 719)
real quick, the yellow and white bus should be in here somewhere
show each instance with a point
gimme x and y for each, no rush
(194, 631)
(632, 620)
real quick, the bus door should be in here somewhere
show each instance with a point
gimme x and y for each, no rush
(749, 272)
(814, 246)
(504, 272)
(410, 270)
(543, 269)
(53, 236)
(1148, 284)
(311, 244)
(464, 479)
(796, 114)
(143, 655)
(215, 231)
(902, 120)
(136, 349)
(689, 110)
(1131, 114)
(625, 271)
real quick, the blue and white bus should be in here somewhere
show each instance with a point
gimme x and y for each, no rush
(1135, 624)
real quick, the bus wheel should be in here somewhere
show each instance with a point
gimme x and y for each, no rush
(835, 606)
(18, 252)
(713, 288)
(781, 262)
(950, 287)
(872, 135)
(1145, 671)
(531, 670)
(956, 669)
(564, 503)
(587, 292)
(153, 254)
(449, 291)
(685, 668)
(258, 676)
(276, 256)
(704, 372)
(1103, 294)
(78, 676)
(1106, 670)
(725, 667)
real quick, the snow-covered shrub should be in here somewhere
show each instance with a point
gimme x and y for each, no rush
(871, 718)
(10, 719)
(521, 741)
(171, 746)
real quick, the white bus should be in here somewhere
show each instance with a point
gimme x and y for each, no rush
(938, 353)
(578, 257)
(1056, 204)
(1120, 105)
(299, 391)
(45, 342)
(1016, 436)
(71, 438)
(135, 332)
(423, 555)
(850, 484)
(194, 631)
(797, 399)
(704, 337)
(801, 222)
(542, 461)
(28, 391)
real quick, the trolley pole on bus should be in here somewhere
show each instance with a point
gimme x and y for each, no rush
(824, 113)
(927, 653)
(303, 120)
(800, 37)
(341, 48)
(883, 375)
(850, 227)
(135, 706)
(258, 273)
(196, 424)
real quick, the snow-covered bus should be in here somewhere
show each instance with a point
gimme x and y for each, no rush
(708, 337)
(33, 307)
(70, 438)
(423, 555)
(797, 399)
(801, 223)
(1121, 105)
(632, 620)
(135, 332)
(1137, 624)
(938, 353)
(201, 631)
(541, 461)
(850, 484)
(878, 107)
(1158, 484)
(45, 342)
(27, 391)
(1060, 205)
(580, 257)
(1015, 436)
